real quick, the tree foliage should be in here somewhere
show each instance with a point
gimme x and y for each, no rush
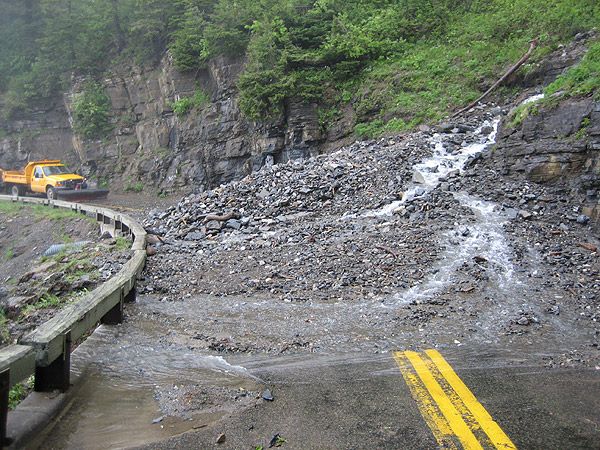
(414, 59)
(91, 112)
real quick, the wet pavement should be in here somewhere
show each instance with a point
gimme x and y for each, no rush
(327, 401)
(296, 304)
(153, 384)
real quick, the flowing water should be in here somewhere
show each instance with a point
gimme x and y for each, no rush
(153, 370)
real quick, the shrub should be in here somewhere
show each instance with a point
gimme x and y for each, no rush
(91, 112)
(184, 105)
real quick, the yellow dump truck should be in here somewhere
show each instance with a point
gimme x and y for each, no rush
(49, 177)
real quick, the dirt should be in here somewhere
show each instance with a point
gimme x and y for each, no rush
(33, 286)
(309, 262)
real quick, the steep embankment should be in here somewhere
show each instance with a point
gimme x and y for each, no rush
(259, 86)
(150, 146)
(382, 245)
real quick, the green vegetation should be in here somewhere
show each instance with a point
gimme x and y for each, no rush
(19, 391)
(583, 128)
(184, 105)
(45, 302)
(582, 79)
(137, 187)
(122, 243)
(9, 254)
(4, 333)
(396, 63)
(91, 110)
(43, 212)
(521, 112)
(10, 208)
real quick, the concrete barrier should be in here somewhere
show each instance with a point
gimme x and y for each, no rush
(46, 351)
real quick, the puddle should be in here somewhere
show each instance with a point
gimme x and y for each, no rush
(108, 414)
(141, 389)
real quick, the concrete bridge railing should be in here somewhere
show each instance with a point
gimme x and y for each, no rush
(45, 352)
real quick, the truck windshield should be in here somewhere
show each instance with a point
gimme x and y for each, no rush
(55, 170)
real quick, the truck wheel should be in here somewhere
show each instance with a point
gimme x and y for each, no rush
(51, 193)
(16, 190)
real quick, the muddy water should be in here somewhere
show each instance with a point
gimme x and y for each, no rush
(159, 369)
(142, 389)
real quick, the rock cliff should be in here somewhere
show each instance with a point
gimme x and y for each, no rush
(558, 141)
(150, 144)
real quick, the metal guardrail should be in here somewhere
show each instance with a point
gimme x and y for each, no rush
(46, 351)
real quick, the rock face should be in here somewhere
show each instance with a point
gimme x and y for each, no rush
(210, 146)
(559, 144)
(44, 133)
(559, 141)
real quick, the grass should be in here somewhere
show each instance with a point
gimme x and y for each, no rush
(45, 302)
(436, 75)
(41, 211)
(521, 112)
(135, 187)
(9, 254)
(11, 208)
(19, 391)
(122, 243)
(582, 79)
(4, 333)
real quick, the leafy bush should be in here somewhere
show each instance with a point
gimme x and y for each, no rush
(184, 105)
(410, 59)
(91, 112)
(135, 187)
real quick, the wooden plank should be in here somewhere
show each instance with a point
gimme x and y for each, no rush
(20, 360)
(84, 314)
(46, 342)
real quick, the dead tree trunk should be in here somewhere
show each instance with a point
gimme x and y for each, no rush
(509, 72)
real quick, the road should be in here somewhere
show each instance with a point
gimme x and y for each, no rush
(489, 398)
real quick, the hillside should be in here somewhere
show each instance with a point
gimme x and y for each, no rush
(193, 93)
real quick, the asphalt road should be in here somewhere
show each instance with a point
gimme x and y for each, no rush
(363, 401)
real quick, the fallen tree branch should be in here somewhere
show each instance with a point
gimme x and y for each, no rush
(223, 218)
(509, 72)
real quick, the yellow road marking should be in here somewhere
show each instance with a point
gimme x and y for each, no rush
(450, 409)
(454, 418)
(435, 420)
(499, 439)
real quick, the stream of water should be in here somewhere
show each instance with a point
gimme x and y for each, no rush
(148, 367)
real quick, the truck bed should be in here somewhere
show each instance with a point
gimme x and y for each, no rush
(13, 177)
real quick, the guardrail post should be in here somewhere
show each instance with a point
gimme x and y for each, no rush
(115, 315)
(130, 297)
(57, 375)
(4, 390)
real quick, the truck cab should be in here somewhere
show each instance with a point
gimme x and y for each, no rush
(49, 177)
(52, 177)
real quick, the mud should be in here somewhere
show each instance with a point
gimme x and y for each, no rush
(420, 245)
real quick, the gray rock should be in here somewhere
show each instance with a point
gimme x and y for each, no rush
(267, 395)
(195, 236)
(582, 219)
(233, 224)
(214, 225)
(418, 178)
(525, 215)
(511, 213)
(523, 321)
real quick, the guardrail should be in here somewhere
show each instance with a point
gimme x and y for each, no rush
(45, 352)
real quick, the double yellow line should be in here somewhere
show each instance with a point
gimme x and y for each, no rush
(451, 411)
